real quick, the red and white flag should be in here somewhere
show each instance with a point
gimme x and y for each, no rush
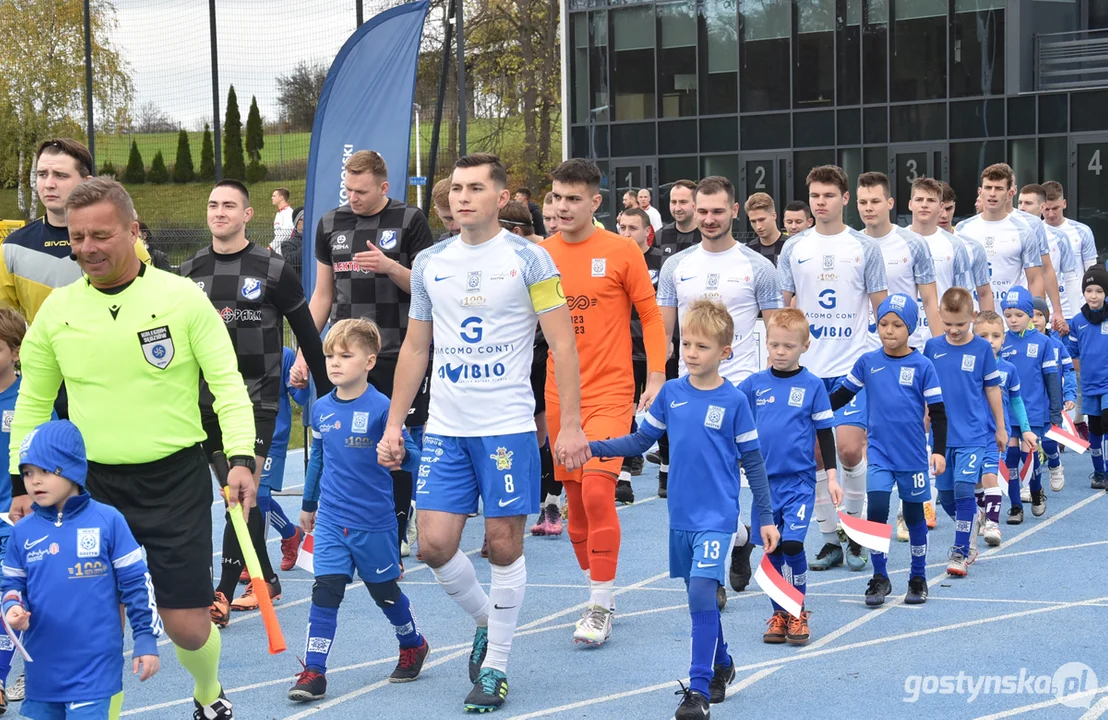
(1067, 435)
(304, 559)
(1028, 466)
(779, 590)
(1002, 471)
(868, 534)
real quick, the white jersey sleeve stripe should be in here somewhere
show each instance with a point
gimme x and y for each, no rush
(825, 415)
(747, 437)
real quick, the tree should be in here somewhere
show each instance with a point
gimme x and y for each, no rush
(40, 94)
(255, 138)
(298, 94)
(183, 171)
(234, 165)
(159, 174)
(108, 169)
(256, 172)
(151, 119)
(207, 156)
(135, 174)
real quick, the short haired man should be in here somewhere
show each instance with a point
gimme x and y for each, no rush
(478, 296)
(256, 292)
(1065, 262)
(283, 223)
(681, 233)
(516, 219)
(643, 197)
(131, 342)
(1079, 235)
(440, 199)
(949, 203)
(630, 199)
(364, 252)
(549, 215)
(837, 276)
(909, 268)
(37, 257)
(523, 195)
(798, 218)
(762, 216)
(1051, 275)
(603, 276)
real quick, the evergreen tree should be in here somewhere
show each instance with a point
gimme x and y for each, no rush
(108, 169)
(159, 174)
(183, 171)
(207, 156)
(234, 163)
(135, 174)
(255, 139)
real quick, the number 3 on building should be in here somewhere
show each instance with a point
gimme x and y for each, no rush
(912, 175)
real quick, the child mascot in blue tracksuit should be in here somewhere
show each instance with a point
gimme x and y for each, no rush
(69, 565)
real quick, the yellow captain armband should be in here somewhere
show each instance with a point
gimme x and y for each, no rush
(547, 295)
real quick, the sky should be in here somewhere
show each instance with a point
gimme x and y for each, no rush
(166, 43)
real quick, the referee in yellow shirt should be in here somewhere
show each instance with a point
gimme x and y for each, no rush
(130, 342)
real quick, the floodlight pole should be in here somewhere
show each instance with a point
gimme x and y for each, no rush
(448, 29)
(461, 46)
(215, 94)
(88, 85)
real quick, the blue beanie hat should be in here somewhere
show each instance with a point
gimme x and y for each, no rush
(903, 306)
(56, 447)
(1019, 298)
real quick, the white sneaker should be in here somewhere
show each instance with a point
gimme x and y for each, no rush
(405, 548)
(1057, 479)
(1025, 494)
(594, 627)
(992, 533)
(16, 692)
(981, 520)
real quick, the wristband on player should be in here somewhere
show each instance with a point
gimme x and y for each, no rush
(245, 461)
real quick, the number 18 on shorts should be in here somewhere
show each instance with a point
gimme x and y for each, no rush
(501, 470)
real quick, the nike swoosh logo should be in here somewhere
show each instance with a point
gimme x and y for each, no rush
(760, 393)
(444, 277)
(801, 262)
(674, 404)
(969, 472)
(690, 277)
(873, 371)
(324, 417)
(384, 569)
(501, 607)
(796, 527)
(506, 504)
(708, 565)
(423, 492)
(77, 706)
(851, 412)
(27, 544)
(939, 355)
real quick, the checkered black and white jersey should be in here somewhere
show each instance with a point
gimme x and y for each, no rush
(401, 232)
(253, 290)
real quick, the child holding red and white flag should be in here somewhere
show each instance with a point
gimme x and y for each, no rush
(908, 387)
(792, 411)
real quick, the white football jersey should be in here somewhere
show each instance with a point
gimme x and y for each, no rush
(1010, 245)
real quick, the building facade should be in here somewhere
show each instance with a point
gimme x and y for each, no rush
(760, 91)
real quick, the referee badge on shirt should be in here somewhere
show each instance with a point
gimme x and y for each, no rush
(387, 240)
(714, 418)
(157, 346)
(251, 288)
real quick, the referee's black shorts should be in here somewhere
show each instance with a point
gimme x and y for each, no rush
(265, 423)
(381, 377)
(538, 378)
(167, 504)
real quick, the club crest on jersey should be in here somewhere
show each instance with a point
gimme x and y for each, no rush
(88, 542)
(796, 397)
(653, 276)
(1104, 328)
(712, 283)
(990, 241)
(969, 362)
(503, 458)
(714, 418)
(907, 375)
(157, 346)
(360, 423)
(828, 262)
(1032, 350)
(388, 239)
(251, 288)
(473, 281)
(599, 267)
(6, 425)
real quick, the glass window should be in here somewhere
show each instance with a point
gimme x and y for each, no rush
(814, 129)
(719, 134)
(967, 160)
(670, 170)
(912, 123)
(598, 68)
(1024, 159)
(719, 60)
(764, 54)
(1021, 115)
(804, 161)
(875, 51)
(977, 118)
(766, 132)
(725, 165)
(875, 125)
(677, 137)
(677, 60)
(1098, 14)
(579, 67)
(1087, 203)
(814, 71)
(1090, 111)
(876, 159)
(1053, 114)
(633, 139)
(579, 142)
(1054, 154)
(850, 160)
(633, 63)
(850, 127)
(850, 55)
(919, 50)
(977, 52)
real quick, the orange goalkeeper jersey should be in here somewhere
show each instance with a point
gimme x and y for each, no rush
(602, 278)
